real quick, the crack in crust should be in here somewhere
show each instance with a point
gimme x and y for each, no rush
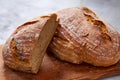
(13, 49)
(15, 52)
(100, 25)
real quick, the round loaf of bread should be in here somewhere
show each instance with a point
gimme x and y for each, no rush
(83, 37)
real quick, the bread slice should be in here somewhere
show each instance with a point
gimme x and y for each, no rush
(83, 37)
(26, 47)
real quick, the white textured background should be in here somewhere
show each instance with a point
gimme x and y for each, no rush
(15, 12)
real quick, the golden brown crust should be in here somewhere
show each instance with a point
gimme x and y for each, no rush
(18, 49)
(98, 42)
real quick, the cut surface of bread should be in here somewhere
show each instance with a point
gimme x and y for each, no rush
(83, 37)
(26, 47)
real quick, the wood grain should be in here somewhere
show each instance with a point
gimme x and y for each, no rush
(54, 69)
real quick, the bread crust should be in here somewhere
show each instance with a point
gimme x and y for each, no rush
(85, 38)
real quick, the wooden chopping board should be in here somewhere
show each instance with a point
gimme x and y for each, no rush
(54, 69)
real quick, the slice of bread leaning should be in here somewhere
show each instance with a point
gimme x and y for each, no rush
(26, 47)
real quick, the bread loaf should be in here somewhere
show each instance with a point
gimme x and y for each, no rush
(25, 49)
(83, 37)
